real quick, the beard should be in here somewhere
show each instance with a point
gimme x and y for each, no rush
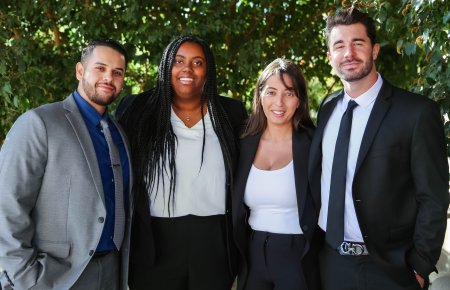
(97, 98)
(355, 75)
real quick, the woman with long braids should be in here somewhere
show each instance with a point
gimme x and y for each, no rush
(183, 137)
(274, 213)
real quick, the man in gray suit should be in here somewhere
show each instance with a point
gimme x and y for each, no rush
(65, 186)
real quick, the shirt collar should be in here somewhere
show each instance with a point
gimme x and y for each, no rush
(87, 111)
(368, 97)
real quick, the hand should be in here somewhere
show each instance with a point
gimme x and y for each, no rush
(420, 280)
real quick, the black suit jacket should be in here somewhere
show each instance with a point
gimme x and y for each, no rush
(400, 186)
(142, 246)
(308, 211)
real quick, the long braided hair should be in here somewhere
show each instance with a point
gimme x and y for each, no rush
(148, 125)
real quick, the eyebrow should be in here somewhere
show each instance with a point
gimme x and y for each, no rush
(104, 64)
(182, 56)
(353, 40)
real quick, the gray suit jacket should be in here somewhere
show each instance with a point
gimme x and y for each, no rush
(51, 198)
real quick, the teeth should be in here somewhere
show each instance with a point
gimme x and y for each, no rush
(278, 112)
(186, 79)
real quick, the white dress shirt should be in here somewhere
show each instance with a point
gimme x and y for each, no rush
(361, 113)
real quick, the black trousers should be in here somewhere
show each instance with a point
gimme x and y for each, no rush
(339, 272)
(190, 255)
(275, 262)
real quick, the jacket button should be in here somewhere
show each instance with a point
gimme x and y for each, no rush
(305, 228)
(91, 252)
(101, 219)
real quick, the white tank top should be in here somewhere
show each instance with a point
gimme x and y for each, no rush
(272, 200)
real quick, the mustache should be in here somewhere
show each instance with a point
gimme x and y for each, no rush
(351, 60)
(106, 83)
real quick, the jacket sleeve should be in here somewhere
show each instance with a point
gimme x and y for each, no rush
(429, 167)
(22, 165)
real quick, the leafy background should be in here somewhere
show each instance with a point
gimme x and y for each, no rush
(40, 42)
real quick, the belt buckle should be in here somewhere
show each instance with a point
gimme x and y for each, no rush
(351, 249)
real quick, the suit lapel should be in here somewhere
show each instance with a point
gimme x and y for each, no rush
(249, 146)
(379, 110)
(75, 119)
(300, 155)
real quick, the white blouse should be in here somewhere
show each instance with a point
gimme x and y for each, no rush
(200, 188)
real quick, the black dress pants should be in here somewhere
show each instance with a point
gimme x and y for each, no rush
(275, 262)
(190, 255)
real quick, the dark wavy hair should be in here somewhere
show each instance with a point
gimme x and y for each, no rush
(349, 16)
(147, 123)
(257, 122)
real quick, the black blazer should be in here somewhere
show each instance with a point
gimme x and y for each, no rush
(142, 246)
(400, 187)
(307, 209)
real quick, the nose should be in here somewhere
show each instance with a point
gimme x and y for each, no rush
(187, 67)
(279, 100)
(349, 51)
(107, 76)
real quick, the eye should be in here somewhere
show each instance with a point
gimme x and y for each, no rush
(289, 94)
(100, 68)
(178, 61)
(269, 93)
(198, 62)
(118, 73)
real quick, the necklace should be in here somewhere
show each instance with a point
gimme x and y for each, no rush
(184, 116)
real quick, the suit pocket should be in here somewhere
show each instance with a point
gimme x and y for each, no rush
(54, 249)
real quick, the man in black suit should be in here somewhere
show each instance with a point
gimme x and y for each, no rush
(386, 229)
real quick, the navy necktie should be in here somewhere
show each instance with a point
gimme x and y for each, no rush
(336, 202)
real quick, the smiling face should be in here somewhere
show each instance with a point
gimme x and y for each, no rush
(351, 53)
(101, 77)
(279, 101)
(189, 71)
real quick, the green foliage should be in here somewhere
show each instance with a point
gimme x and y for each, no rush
(40, 42)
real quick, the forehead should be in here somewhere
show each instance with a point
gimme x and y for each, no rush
(348, 32)
(108, 56)
(191, 49)
(275, 81)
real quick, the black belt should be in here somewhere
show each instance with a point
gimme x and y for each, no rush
(352, 249)
(102, 254)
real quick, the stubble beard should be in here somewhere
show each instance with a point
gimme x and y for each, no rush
(352, 76)
(95, 97)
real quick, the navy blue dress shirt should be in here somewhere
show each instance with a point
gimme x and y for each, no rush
(92, 120)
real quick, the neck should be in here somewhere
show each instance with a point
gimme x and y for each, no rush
(359, 87)
(278, 133)
(187, 105)
(99, 108)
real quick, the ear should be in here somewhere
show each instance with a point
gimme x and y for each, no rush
(79, 70)
(329, 55)
(375, 51)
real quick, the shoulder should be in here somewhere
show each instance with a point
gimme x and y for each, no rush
(331, 97)
(235, 111)
(230, 104)
(406, 101)
(132, 105)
